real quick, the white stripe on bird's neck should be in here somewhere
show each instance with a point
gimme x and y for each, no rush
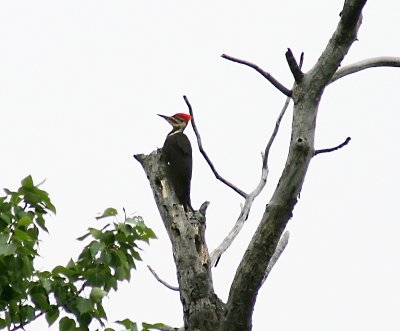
(176, 130)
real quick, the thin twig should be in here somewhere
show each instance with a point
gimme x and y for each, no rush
(203, 152)
(382, 61)
(328, 150)
(274, 133)
(278, 252)
(173, 288)
(293, 66)
(266, 75)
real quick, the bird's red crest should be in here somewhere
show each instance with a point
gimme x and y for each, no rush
(184, 116)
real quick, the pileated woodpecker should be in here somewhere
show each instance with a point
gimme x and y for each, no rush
(178, 156)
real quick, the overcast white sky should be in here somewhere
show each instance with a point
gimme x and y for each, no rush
(81, 83)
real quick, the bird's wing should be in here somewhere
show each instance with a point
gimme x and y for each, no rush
(184, 145)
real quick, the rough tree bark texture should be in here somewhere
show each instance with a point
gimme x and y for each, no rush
(306, 95)
(202, 308)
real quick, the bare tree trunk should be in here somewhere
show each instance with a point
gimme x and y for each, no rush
(202, 310)
(306, 95)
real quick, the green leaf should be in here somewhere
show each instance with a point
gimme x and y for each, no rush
(121, 257)
(84, 305)
(107, 213)
(83, 237)
(96, 277)
(67, 324)
(6, 218)
(95, 247)
(97, 294)
(33, 232)
(71, 264)
(108, 237)
(126, 229)
(41, 223)
(24, 221)
(97, 234)
(64, 271)
(61, 293)
(27, 182)
(39, 297)
(150, 233)
(135, 255)
(84, 321)
(128, 324)
(52, 315)
(8, 294)
(4, 238)
(111, 283)
(101, 313)
(105, 257)
(27, 313)
(22, 236)
(46, 283)
(7, 249)
(121, 273)
(144, 232)
(157, 326)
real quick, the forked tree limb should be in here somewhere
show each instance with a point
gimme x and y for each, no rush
(306, 96)
(265, 74)
(382, 61)
(293, 66)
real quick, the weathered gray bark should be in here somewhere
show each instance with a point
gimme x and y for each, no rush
(306, 95)
(202, 308)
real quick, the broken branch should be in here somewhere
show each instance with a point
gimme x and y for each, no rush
(328, 150)
(293, 66)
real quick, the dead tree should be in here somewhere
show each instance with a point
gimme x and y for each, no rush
(202, 309)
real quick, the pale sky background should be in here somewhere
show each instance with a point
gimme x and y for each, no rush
(81, 83)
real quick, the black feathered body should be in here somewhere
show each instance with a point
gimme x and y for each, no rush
(178, 156)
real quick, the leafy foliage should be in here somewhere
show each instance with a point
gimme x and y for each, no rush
(76, 290)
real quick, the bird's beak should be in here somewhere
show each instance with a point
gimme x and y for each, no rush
(167, 118)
